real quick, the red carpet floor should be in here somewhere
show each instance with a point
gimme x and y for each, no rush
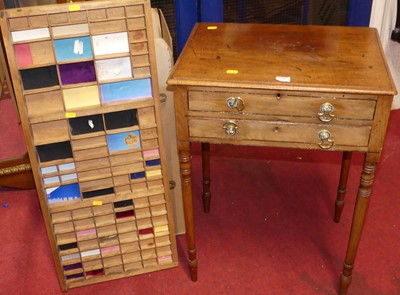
(270, 229)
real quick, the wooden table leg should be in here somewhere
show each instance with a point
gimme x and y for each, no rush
(360, 212)
(341, 192)
(205, 157)
(185, 162)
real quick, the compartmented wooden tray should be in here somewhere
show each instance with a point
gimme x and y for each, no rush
(85, 81)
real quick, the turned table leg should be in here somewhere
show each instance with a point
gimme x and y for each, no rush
(360, 212)
(205, 157)
(341, 192)
(185, 163)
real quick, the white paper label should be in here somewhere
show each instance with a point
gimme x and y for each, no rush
(283, 79)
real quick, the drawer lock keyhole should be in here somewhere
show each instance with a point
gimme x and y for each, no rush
(235, 103)
(230, 128)
(326, 141)
(326, 110)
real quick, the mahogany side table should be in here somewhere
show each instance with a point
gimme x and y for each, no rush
(287, 86)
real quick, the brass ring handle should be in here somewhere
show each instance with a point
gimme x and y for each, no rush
(326, 142)
(326, 110)
(230, 128)
(235, 103)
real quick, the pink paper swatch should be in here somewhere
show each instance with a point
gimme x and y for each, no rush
(23, 54)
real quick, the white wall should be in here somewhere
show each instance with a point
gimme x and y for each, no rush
(383, 18)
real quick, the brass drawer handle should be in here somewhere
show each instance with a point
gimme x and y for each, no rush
(326, 142)
(230, 128)
(326, 110)
(235, 103)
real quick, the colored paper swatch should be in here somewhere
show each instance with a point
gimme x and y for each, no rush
(81, 97)
(48, 170)
(153, 173)
(62, 31)
(126, 90)
(138, 175)
(112, 69)
(39, 77)
(110, 43)
(23, 54)
(54, 151)
(123, 141)
(63, 193)
(80, 72)
(73, 48)
(27, 35)
(155, 162)
(150, 153)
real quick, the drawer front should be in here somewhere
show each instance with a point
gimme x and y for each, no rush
(287, 105)
(323, 136)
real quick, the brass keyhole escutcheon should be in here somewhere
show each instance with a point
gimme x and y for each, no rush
(235, 103)
(326, 109)
(230, 128)
(326, 141)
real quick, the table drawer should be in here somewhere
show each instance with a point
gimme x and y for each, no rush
(323, 136)
(325, 107)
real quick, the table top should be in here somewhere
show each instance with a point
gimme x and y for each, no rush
(291, 57)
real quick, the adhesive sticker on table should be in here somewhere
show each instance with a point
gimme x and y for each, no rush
(283, 79)
(97, 203)
(233, 72)
(212, 27)
(75, 7)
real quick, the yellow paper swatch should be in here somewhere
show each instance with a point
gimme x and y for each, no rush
(212, 27)
(70, 115)
(97, 203)
(160, 228)
(81, 97)
(153, 173)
